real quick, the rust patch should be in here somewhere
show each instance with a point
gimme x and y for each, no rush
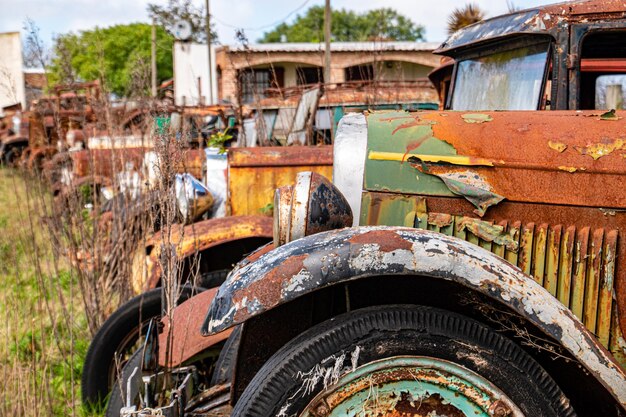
(267, 292)
(180, 339)
(416, 122)
(490, 232)
(411, 146)
(388, 242)
(440, 219)
(430, 405)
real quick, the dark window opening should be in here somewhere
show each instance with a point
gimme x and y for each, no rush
(360, 73)
(309, 75)
(603, 71)
(254, 83)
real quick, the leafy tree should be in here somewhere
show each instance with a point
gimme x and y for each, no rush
(115, 55)
(177, 10)
(464, 16)
(383, 24)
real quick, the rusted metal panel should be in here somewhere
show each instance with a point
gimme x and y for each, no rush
(538, 178)
(180, 340)
(106, 162)
(255, 173)
(295, 269)
(195, 238)
(279, 156)
(540, 20)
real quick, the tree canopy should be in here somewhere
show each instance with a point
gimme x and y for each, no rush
(383, 24)
(176, 10)
(118, 56)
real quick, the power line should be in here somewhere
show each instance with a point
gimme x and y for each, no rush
(264, 26)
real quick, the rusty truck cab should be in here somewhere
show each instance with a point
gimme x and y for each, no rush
(556, 57)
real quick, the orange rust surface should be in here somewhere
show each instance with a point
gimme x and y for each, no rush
(273, 156)
(527, 167)
(204, 235)
(255, 173)
(268, 290)
(181, 338)
(387, 242)
(106, 162)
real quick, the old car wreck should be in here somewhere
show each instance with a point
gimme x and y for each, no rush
(461, 263)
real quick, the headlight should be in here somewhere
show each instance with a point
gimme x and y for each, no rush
(311, 206)
(192, 197)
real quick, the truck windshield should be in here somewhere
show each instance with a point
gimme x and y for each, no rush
(509, 80)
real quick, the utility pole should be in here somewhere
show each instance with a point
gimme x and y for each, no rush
(208, 43)
(327, 18)
(153, 60)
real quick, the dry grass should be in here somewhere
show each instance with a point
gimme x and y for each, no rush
(44, 329)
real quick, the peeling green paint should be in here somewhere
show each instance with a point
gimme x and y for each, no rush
(490, 233)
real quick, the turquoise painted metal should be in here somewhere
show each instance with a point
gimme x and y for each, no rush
(411, 385)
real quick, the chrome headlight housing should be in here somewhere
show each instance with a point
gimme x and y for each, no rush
(310, 206)
(192, 197)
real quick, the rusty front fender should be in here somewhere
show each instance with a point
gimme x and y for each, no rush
(314, 262)
(193, 239)
(181, 338)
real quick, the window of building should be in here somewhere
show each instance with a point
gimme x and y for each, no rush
(255, 82)
(309, 75)
(360, 73)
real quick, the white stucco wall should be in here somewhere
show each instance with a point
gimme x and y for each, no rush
(190, 63)
(11, 70)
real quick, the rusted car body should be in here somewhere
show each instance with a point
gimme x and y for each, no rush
(510, 218)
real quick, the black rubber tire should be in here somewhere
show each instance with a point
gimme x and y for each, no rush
(388, 331)
(11, 157)
(225, 363)
(116, 401)
(212, 279)
(96, 383)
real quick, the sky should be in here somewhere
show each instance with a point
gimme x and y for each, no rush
(255, 16)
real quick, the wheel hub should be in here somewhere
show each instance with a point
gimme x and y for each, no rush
(411, 386)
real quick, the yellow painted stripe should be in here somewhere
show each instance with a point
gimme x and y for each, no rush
(451, 159)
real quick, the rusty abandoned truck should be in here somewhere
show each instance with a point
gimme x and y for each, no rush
(466, 262)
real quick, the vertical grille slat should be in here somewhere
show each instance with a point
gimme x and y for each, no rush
(606, 288)
(594, 269)
(526, 248)
(580, 272)
(576, 265)
(539, 254)
(552, 259)
(566, 266)
(513, 256)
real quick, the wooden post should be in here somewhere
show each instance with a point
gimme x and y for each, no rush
(208, 42)
(153, 60)
(327, 21)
